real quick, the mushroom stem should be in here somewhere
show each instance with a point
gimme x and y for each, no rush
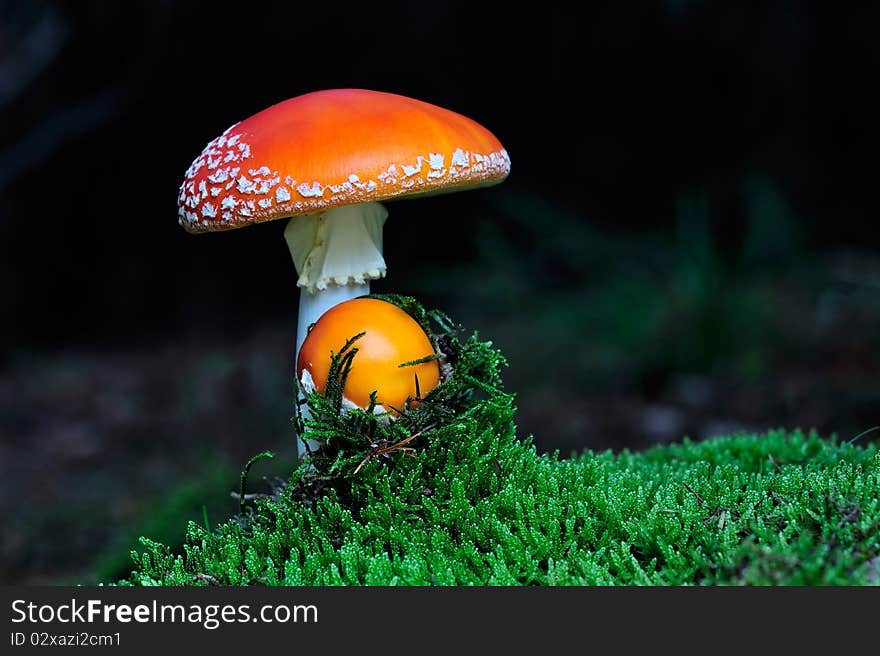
(336, 253)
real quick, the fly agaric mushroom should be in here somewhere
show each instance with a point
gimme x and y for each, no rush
(391, 338)
(325, 160)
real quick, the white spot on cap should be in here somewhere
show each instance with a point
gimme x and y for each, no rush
(245, 186)
(265, 187)
(389, 176)
(195, 166)
(435, 161)
(345, 187)
(282, 194)
(209, 210)
(308, 192)
(220, 176)
(409, 171)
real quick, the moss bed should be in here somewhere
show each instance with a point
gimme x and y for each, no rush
(473, 504)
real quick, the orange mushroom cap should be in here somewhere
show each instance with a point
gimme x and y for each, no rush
(330, 148)
(392, 337)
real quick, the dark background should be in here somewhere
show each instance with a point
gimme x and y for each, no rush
(687, 243)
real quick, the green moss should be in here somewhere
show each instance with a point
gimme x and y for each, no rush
(475, 505)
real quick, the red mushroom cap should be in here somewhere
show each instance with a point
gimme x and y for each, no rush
(331, 148)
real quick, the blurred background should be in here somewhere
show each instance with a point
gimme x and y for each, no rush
(687, 243)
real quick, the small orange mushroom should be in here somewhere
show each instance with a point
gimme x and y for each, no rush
(391, 338)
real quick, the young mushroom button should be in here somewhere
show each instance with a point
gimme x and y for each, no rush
(325, 160)
(391, 338)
